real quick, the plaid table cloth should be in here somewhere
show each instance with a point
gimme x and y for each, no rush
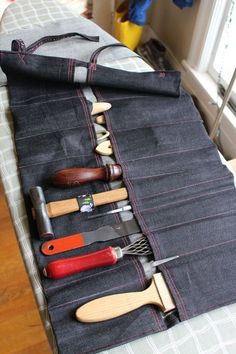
(214, 332)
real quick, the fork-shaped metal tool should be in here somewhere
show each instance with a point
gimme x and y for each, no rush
(107, 256)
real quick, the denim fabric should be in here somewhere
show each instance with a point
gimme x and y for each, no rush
(54, 130)
(181, 195)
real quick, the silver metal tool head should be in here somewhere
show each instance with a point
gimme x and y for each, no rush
(164, 260)
(42, 219)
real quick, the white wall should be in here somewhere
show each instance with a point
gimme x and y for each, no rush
(173, 26)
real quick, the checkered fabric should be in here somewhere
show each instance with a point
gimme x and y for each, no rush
(213, 332)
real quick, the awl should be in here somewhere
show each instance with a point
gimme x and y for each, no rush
(104, 233)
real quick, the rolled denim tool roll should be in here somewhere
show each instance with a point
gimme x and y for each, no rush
(112, 306)
(71, 177)
(108, 256)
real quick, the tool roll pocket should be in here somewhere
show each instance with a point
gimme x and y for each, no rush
(182, 196)
(53, 130)
(167, 162)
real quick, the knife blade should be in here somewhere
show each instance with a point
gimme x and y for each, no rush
(104, 233)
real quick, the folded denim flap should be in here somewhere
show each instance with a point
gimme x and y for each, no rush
(54, 146)
(203, 280)
(163, 83)
(147, 142)
(38, 66)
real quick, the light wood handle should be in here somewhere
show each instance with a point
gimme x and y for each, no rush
(67, 206)
(99, 107)
(108, 307)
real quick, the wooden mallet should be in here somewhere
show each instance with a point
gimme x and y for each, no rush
(42, 212)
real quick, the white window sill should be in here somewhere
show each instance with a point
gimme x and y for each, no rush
(204, 88)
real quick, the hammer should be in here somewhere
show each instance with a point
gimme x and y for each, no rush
(42, 212)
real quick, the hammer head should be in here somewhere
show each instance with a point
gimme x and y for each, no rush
(42, 219)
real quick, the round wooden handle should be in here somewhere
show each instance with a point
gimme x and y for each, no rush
(67, 266)
(67, 206)
(71, 177)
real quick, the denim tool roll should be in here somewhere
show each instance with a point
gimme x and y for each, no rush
(182, 196)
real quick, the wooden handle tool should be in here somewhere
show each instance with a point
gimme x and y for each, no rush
(104, 148)
(72, 177)
(62, 207)
(100, 119)
(112, 306)
(99, 107)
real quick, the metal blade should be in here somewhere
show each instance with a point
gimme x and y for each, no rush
(124, 208)
(108, 232)
(104, 233)
(164, 260)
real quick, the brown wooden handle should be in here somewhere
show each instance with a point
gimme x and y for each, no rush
(67, 206)
(71, 177)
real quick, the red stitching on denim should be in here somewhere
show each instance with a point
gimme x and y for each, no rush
(73, 70)
(168, 273)
(189, 199)
(207, 147)
(159, 125)
(21, 58)
(181, 188)
(194, 220)
(93, 140)
(136, 264)
(31, 48)
(68, 69)
(141, 218)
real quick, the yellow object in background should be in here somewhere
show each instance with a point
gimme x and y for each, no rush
(125, 31)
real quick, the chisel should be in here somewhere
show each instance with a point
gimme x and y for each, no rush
(104, 233)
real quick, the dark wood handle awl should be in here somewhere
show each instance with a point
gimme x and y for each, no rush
(70, 177)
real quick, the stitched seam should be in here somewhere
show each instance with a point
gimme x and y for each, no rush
(189, 199)
(143, 222)
(45, 102)
(181, 188)
(52, 131)
(136, 264)
(173, 152)
(226, 213)
(56, 160)
(158, 125)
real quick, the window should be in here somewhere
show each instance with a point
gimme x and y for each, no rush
(223, 59)
(208, 58)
